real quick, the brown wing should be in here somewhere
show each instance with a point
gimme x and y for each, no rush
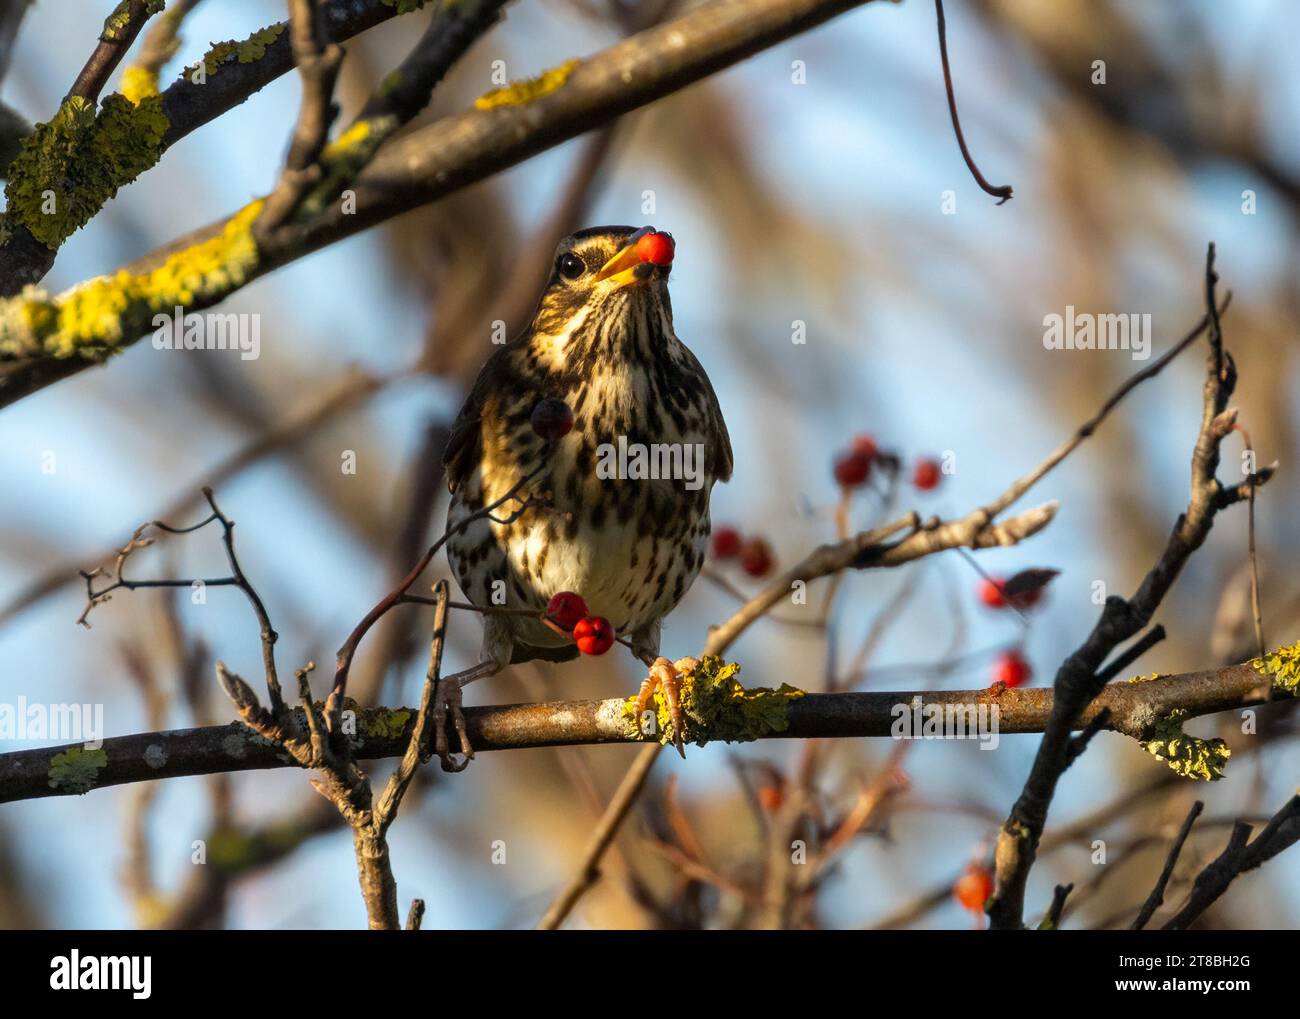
(465, 444)
(720, 439)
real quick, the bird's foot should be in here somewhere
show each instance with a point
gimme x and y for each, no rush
(447, 706)
(665, 675)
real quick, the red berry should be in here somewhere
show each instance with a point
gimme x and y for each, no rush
(770, 797)
(866, 445)
(1011, 670)
(991, 593)
(593, 635)
(552, 419)
(726, 542)
(756, 557)
(926, 474)
(852, 469)
(566, 609)
(973, 888)
(657, 248)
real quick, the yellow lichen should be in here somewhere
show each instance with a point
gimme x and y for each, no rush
(70, 166)
(344, 157)
(1190, 756)
(95, 317)
(244, 51)
(348, 141)
(519, 92)
(717, 707)
(1283, 669)
(139, 83)
(116, 24)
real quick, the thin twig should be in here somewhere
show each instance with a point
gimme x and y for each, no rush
(1001, 192)
(1157, 896)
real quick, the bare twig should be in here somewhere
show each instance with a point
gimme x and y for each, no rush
(1052, 919)
(417, 750)
(1157, 896)
(1002, 191)
(1242, 854)
(318, 65)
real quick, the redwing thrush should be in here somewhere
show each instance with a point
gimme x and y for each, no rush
(602, 341)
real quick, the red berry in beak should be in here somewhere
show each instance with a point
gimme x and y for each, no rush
(656, 248)
(566, 610)
(594, 635)
(552, 419)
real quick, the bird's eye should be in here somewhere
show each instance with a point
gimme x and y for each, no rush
(571, 266)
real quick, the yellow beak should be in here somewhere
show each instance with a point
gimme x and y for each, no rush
(621, 269)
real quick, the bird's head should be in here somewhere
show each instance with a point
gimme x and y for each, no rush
(608, 290)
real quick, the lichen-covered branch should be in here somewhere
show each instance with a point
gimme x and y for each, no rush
(45, 338)
(402, 94)
(1135, 708)
(120, 29)
(224, 77)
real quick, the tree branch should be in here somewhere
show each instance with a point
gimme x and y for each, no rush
(120, 29)
(420, 167)
(386, 732)
(1078, 680)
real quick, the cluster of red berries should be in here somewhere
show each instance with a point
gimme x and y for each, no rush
(567, 613)
(973, 888)
(853, 467)
(755, 554)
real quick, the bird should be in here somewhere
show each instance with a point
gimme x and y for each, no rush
(532, 516)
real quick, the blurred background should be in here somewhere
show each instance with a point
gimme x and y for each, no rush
(824, 203)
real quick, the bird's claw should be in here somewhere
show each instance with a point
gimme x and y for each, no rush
(665, 675)
(447, 702)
